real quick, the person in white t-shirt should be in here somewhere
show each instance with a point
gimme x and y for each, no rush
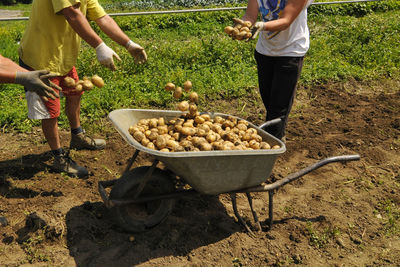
(282, 43)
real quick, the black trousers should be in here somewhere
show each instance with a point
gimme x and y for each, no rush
(277, 80)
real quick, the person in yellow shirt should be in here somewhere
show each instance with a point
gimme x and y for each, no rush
(52, 41)
(34, 81)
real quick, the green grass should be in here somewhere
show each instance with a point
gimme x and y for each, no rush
(194, 47)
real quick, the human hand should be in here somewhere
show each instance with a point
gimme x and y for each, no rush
(137, 52)
(105, 55)
(38, 82)
(258, 26)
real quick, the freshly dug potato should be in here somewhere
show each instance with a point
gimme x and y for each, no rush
(183, 106)
(187, 86)
(194, 97)
(79, 87)
(177, 92)
(97, 81)
(170, 87)
(69, 82)
(87, 85)
(228, 30)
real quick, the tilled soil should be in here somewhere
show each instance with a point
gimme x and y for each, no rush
(342, 214)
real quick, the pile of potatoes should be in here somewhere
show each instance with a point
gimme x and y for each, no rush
(86, 84)
(240, 31)
(198, 133)
(194, 131)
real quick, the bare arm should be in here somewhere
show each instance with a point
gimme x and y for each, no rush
(112, 30)
(251, 11)
(81, 25)
(8, 70)
(289, 14)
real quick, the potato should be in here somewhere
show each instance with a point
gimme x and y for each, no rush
(87, 85)
(161, 142)
(151, 145)
(97, 81)
(78, 88)
(69, 82)
(244, 28)
(199, 120)
(187, 86)
(138, 136)
(145, 141)
(171, 144)
(276, 147)
(248, 35)
(238, 21)
(170, 87)
(153, 136)
(265, 145)
(228, 29)
(161, 121)
(183, 106)
(194, 97)
(188, 131)
(177, 92)
(163, 129)
(204, 146)
(248, 24)
(153, 123)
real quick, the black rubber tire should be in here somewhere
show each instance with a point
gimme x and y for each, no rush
(142, 216)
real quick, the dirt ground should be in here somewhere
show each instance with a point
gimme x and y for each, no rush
(343, 214)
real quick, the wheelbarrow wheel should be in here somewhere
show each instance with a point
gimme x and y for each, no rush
(138, 217)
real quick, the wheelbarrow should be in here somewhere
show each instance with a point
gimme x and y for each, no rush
(144, 196)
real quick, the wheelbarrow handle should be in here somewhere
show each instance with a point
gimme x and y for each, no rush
(270, 123)
(301, 173)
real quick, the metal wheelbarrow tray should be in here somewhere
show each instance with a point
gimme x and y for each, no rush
(207, 172)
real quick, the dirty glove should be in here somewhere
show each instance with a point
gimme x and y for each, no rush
(136, 51)
(258, 26)
(38, 82)
(105, 55)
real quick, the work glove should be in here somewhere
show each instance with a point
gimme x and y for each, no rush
(38, 82)
(105, 55)
(136, 51)
(258, 26)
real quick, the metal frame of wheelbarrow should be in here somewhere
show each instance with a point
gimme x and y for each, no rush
(270, 188)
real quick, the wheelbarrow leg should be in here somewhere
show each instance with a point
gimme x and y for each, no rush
(235, 210)
(258, 225)
(270, 208)
(131, 160)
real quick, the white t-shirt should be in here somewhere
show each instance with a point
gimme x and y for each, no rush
(293, 42)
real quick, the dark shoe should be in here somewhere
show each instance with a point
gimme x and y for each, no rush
(63, 163)
(83, 141)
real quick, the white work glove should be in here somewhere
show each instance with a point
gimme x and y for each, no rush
(258, 26)
(105, 55)
(136, 51)
(38, 82)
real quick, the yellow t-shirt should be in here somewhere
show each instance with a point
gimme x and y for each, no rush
(49, 42)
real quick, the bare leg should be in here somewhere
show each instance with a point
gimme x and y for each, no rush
(73, 110)
(50, 131)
